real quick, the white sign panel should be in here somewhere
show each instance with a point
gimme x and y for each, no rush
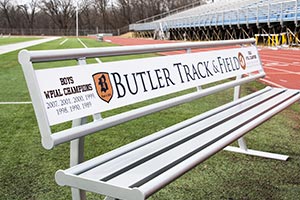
(73, 92)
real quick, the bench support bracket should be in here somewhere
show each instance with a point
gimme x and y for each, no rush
(242, 142)
(257, 153)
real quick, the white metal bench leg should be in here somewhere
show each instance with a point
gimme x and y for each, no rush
(78, 194)
(242, 142)
(76, 157)
(244, 149)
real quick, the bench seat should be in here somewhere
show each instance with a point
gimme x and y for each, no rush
(146, 165)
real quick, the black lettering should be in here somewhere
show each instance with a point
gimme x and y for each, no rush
(67, 91)
(103, 84)
(78, 89)
(236, 63)
(53, 93)
(128, 84)
(178, 65)
(216, 70)
(195, 72)
(187, 73)
(232, 64)
(159, 78)
(62, 81)
(199, 66)
(228, 64)
(167, 76)
(119, 86)
(142, 79)
(208, 72)
(226, 69)
(152, 86)
(66, 80)
(220, 64)
(71, 81)
(47, 95)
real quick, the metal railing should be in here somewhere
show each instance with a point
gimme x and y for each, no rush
(254, 12)
(58, 32)
(171, 12)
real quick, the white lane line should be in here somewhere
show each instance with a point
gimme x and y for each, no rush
(282, 80)
(15, 103)
(295, 63)
(82, 43)
(271, 64)
(282, 70)
(63, 41)
(271, 83)
(97, 59)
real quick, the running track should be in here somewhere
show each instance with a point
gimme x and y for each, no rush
(282, 66)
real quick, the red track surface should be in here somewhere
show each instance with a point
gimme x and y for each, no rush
(282, 66)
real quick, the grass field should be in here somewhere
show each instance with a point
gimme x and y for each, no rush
(12, 40)
(27, 170)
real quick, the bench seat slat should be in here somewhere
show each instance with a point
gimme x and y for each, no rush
(165, 178)
(94, 162)
(140, 154)
(146, 171)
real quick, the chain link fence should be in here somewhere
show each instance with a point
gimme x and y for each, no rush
(60, 32)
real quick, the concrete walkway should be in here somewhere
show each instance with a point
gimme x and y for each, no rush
(21, 45)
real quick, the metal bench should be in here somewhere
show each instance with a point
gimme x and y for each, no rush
(139, 169)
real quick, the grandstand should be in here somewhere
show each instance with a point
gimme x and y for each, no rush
(274, 22)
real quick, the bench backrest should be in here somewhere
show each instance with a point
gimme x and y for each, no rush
(75, 92)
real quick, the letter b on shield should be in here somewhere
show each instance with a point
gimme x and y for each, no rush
(103, 86)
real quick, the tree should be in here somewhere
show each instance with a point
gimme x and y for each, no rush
(125, 8)
(87, 14)
(62, 12)
(29, 11)
(5, 8)
(101, 8)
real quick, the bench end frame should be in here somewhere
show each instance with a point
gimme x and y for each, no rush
(33, 87)
(99, 187)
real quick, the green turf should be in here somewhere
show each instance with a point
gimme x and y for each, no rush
(12, 40)
(27, 170)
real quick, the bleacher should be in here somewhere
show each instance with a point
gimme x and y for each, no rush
(228, 13)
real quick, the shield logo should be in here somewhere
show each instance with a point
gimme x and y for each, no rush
(242, 60)
(103, 86)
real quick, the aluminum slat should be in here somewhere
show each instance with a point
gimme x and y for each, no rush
(92, 163)
(159, 164)
(122, 162)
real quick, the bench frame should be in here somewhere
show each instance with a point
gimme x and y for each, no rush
(76, 136)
